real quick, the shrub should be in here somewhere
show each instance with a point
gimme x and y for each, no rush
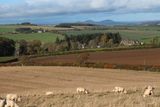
(82, 58)
(24, 30)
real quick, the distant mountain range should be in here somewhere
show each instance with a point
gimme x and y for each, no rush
(104, 22)
(109, 23)
(112, 23)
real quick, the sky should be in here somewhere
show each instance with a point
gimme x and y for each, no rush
(60, 11)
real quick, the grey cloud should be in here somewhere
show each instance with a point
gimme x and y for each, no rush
(52, 7)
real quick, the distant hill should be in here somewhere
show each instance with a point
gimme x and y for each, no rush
(105, 22)
(108, 23)
(112, 23)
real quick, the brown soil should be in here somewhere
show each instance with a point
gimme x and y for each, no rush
(127, 57)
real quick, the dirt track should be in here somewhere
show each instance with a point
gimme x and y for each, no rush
(33, 82)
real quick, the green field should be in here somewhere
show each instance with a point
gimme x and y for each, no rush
(141, 33)
(44, 37)
(4, 29)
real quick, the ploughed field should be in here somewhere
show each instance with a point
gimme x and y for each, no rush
(126, 57)
(33, 82)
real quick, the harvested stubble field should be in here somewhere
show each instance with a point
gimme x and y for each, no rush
(33, 82)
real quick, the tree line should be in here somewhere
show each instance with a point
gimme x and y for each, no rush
(84, 41)
(69, 25)
(70, 42)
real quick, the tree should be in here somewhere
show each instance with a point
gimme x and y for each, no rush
(116, 38)
(64, 46)
(23, 47)
(92, 43)
(110, 43)
(34, 47)
(57, 40)
(7, 47)
(67, 41)
(155, 41)
(49, 47)
(104, 40)
(74, 45)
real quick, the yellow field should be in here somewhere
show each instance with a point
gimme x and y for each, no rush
(33, 82)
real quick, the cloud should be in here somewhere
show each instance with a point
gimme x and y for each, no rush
(29, 8)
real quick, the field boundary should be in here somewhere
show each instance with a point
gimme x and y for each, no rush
(152, 68)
